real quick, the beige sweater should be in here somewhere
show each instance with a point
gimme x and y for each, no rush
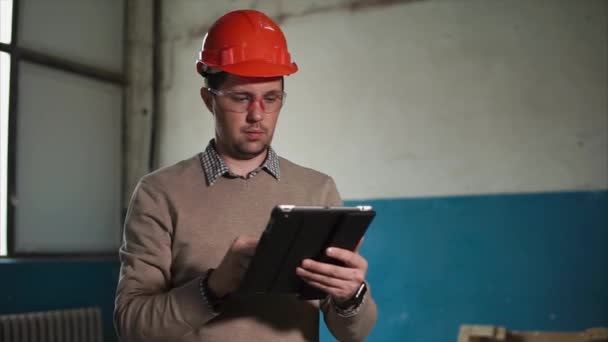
(177, 227)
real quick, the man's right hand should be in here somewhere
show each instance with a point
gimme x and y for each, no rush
(226, 278)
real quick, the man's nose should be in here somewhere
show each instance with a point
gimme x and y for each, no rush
(255, 112)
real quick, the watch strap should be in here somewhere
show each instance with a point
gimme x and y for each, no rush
(351, 307)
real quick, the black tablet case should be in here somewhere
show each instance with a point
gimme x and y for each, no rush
(296, 233)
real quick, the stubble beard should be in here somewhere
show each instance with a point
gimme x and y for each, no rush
(245, 152)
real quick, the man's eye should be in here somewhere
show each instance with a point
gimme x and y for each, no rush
(240, 98)
(273, 97)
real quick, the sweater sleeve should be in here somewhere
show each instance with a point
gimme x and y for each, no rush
(352, 327)
(147, 306)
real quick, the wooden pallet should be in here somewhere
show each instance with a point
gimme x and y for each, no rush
(491, 333)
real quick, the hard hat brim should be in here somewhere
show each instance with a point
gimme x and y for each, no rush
(259, 69)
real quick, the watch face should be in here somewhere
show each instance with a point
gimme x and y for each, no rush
(357, 298)
(361, 292)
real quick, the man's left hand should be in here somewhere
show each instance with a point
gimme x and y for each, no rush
(340, 282)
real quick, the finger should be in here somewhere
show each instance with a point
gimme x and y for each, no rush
(333, 292)
(333, 271)
(328, 270)
(322, 279)
(250, 242)
(328, 283)
(349, 258)
(246, 240)
(245, 244)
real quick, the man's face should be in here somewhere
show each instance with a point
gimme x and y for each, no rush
(248, 133)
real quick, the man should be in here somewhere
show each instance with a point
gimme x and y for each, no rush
(192, 228)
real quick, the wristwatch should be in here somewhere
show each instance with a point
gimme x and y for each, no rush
(354, 302)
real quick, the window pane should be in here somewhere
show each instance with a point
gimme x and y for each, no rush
(85, 31)
(68, 162)
(6, 22)
(5, 67)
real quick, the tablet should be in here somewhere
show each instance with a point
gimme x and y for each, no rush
(295, 233)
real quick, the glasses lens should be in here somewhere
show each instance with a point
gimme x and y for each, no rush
(273, 102)
(242, 102)
(236, 102)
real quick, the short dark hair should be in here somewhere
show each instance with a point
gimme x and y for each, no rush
(216, 79)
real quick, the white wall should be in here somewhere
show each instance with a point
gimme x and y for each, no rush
(421, 98)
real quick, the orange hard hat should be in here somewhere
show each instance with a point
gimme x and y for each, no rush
(245, 43)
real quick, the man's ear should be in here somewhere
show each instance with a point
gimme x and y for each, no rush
(207, 98)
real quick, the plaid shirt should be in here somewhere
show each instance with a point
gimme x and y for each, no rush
(214, 165)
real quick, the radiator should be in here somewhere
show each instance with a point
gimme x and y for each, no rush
(74, 325)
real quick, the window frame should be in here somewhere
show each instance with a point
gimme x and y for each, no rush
(18, 54)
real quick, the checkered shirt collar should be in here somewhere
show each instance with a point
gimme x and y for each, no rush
(214, 166)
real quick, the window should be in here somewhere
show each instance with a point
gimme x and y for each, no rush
(5, 65)
(61, 131)
(6, 15)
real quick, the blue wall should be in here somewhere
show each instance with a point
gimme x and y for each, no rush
(38, 285)
(526, 261)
